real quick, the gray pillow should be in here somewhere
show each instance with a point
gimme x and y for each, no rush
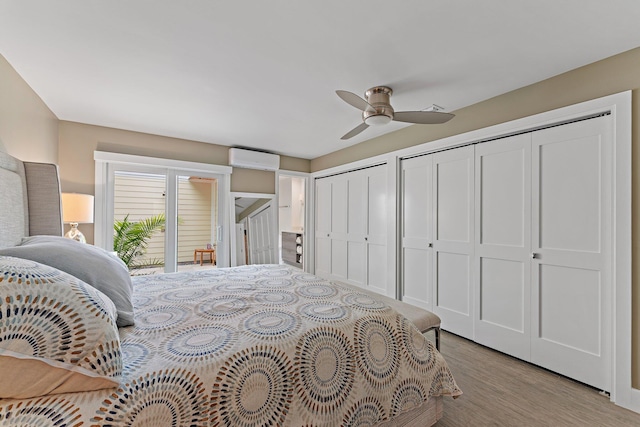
(88, 263)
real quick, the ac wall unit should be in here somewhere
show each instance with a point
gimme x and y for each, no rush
(248, 159)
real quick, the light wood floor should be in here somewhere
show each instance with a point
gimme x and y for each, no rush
(503, 391)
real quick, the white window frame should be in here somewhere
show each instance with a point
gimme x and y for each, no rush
(106, 163)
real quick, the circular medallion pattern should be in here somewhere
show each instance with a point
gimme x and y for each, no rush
(377, 351)
(160, 317)
(252, 388)
(41, 412)
(197, 344)
(271, 324)
(276, 298)
(140, 301)
(408, 395)
(235, 287)
(366, 412)
(136, 353)
(277, 282)
(151, 286)
(184, 295)
(44, 329)
(325, 370)
(324, 311)
(364, 302)
(241, 277)
(24, 271)
(172, 397)
(316, 291)
(307, 278)
(222, 307)
(278, 272)
(418, 350)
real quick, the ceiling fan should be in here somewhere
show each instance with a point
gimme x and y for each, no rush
(376, 110)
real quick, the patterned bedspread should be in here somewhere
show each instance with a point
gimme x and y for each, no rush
(257, 345)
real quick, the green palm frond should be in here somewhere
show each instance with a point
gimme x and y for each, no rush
(131, 238)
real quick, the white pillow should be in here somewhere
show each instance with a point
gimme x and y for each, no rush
(57, 334)
(91, 264)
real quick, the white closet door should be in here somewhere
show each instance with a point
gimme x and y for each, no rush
(453, 207)
(339, 193)
(416, 233)
(323, 227)
(376, 228)
(503, 245)
(356, 227)
(571, 283)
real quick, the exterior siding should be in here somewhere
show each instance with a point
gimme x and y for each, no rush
(142, 196)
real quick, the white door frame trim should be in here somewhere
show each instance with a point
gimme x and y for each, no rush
(232, 219)
(104, 161)
(308, 246)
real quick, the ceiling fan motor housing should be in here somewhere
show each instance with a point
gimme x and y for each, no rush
(378, 98)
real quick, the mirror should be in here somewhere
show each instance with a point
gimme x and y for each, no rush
(254, 230)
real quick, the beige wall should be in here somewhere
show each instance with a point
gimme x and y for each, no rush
(28, 129)
(616, 74)
(78, 141)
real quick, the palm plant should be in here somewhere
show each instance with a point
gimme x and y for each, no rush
(131, 238)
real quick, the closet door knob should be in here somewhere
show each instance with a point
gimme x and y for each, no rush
(535, 256)
(366, 238)
(430, 245)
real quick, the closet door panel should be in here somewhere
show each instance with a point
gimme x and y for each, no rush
(339, 200)
(502, 245)
(339, 209)
(376, 228)
(356, 227)
(454, 280)
(323, 227)
(356, 253)
(339, 264)
(453, 176)
(377, 268)
(416, 277)
(416, 232)
(502, 296)
(571, 282)
(570, 202)
(453, 193)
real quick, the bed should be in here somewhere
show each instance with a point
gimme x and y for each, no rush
(81, 344)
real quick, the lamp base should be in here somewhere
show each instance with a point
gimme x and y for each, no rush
(75, 234)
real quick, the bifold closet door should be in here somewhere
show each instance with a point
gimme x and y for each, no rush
(503, 245)
(375, 239)
(453, 244)
(571, 240)
(331, 228)
(417, 232)
(323, 227)
(356, 187)
(351, 227)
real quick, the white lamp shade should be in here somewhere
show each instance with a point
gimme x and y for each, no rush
(77, 208)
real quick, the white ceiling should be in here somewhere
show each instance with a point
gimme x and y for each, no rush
(263, 74)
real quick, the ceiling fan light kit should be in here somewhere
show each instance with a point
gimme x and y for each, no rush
(377, 110)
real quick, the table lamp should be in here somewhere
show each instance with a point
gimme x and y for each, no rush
(77, 209)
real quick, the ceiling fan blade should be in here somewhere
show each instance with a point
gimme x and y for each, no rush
(354, 100)
(423, 117)
(356, 130)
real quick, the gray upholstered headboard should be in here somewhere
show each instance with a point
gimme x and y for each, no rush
(29, 200)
